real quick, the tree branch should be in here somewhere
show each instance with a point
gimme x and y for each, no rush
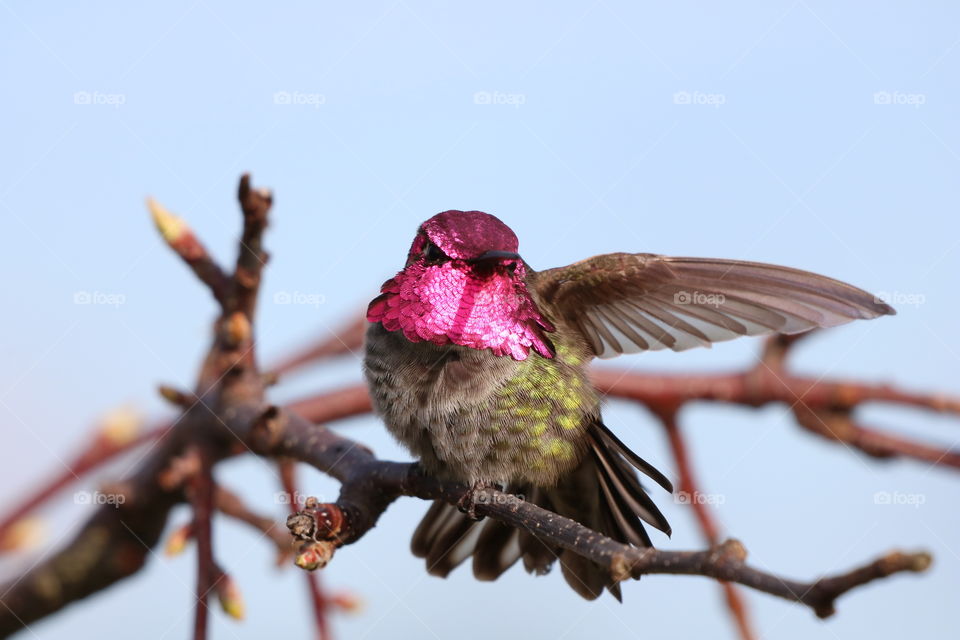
(318, 598)
(251, 258)
(347, 339)
(690, 489)
(369, 486)
(232, 505)
(104, 447)
(185, 244)
(201, 497)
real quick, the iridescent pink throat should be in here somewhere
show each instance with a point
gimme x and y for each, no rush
(449, 303)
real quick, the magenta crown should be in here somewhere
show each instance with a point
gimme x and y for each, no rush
(469, 234)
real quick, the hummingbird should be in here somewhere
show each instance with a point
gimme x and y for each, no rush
(478, 364)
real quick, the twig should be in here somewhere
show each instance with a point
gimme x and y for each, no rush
(232, 505)
(201, 497)
(346, 339)
(185, 244)
(251, 258)
(317, 597)
(807, 397)
(97, 453)
(334, 405)
(690, 488)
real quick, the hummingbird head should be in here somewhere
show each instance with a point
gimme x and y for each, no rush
(465, 284)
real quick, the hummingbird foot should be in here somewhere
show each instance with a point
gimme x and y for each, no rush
(468, 503)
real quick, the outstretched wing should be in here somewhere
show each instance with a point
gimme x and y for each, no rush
(630, 302)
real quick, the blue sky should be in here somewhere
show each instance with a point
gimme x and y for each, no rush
(813, 134)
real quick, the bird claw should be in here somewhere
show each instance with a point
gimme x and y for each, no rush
(467, 504)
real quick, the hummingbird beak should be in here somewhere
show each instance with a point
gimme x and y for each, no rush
(491, 256)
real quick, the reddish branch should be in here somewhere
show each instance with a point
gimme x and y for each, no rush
(181, 239)
(824, 406)
(689, 488)
(767, 382)
(318, 598)
(102, 449)
(202, 499)
(227, 412)
(347, 339)
(334, 405)
(230, 504)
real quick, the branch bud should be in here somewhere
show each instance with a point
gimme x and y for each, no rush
(231, 600)
(23, 534)
(121, 426)
(347, 602)
(314, 555)
(178, 540)
(170, 226)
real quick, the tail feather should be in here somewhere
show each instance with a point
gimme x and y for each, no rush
(446, 537)
(606, 437)
(618, 519)
(583, 576)
(455, 544)
(498, 548)
(626, 488)
(426, 533)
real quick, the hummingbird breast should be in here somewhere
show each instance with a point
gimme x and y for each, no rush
(471, 416)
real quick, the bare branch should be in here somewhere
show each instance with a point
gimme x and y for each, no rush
(708, 525)
(232, 505)
(345, 521)
(318, 598)
(255, 204)
(113, 544)
(185, 244)
(201, 497)
(346, 339)
(370, 485)
(103, 448)
(812, 400)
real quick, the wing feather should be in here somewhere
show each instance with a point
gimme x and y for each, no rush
(625, 303)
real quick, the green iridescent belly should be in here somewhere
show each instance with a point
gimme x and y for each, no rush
(538, 417)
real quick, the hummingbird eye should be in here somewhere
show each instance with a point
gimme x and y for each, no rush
(433, 253)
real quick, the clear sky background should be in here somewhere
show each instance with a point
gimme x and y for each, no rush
(814, 134)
